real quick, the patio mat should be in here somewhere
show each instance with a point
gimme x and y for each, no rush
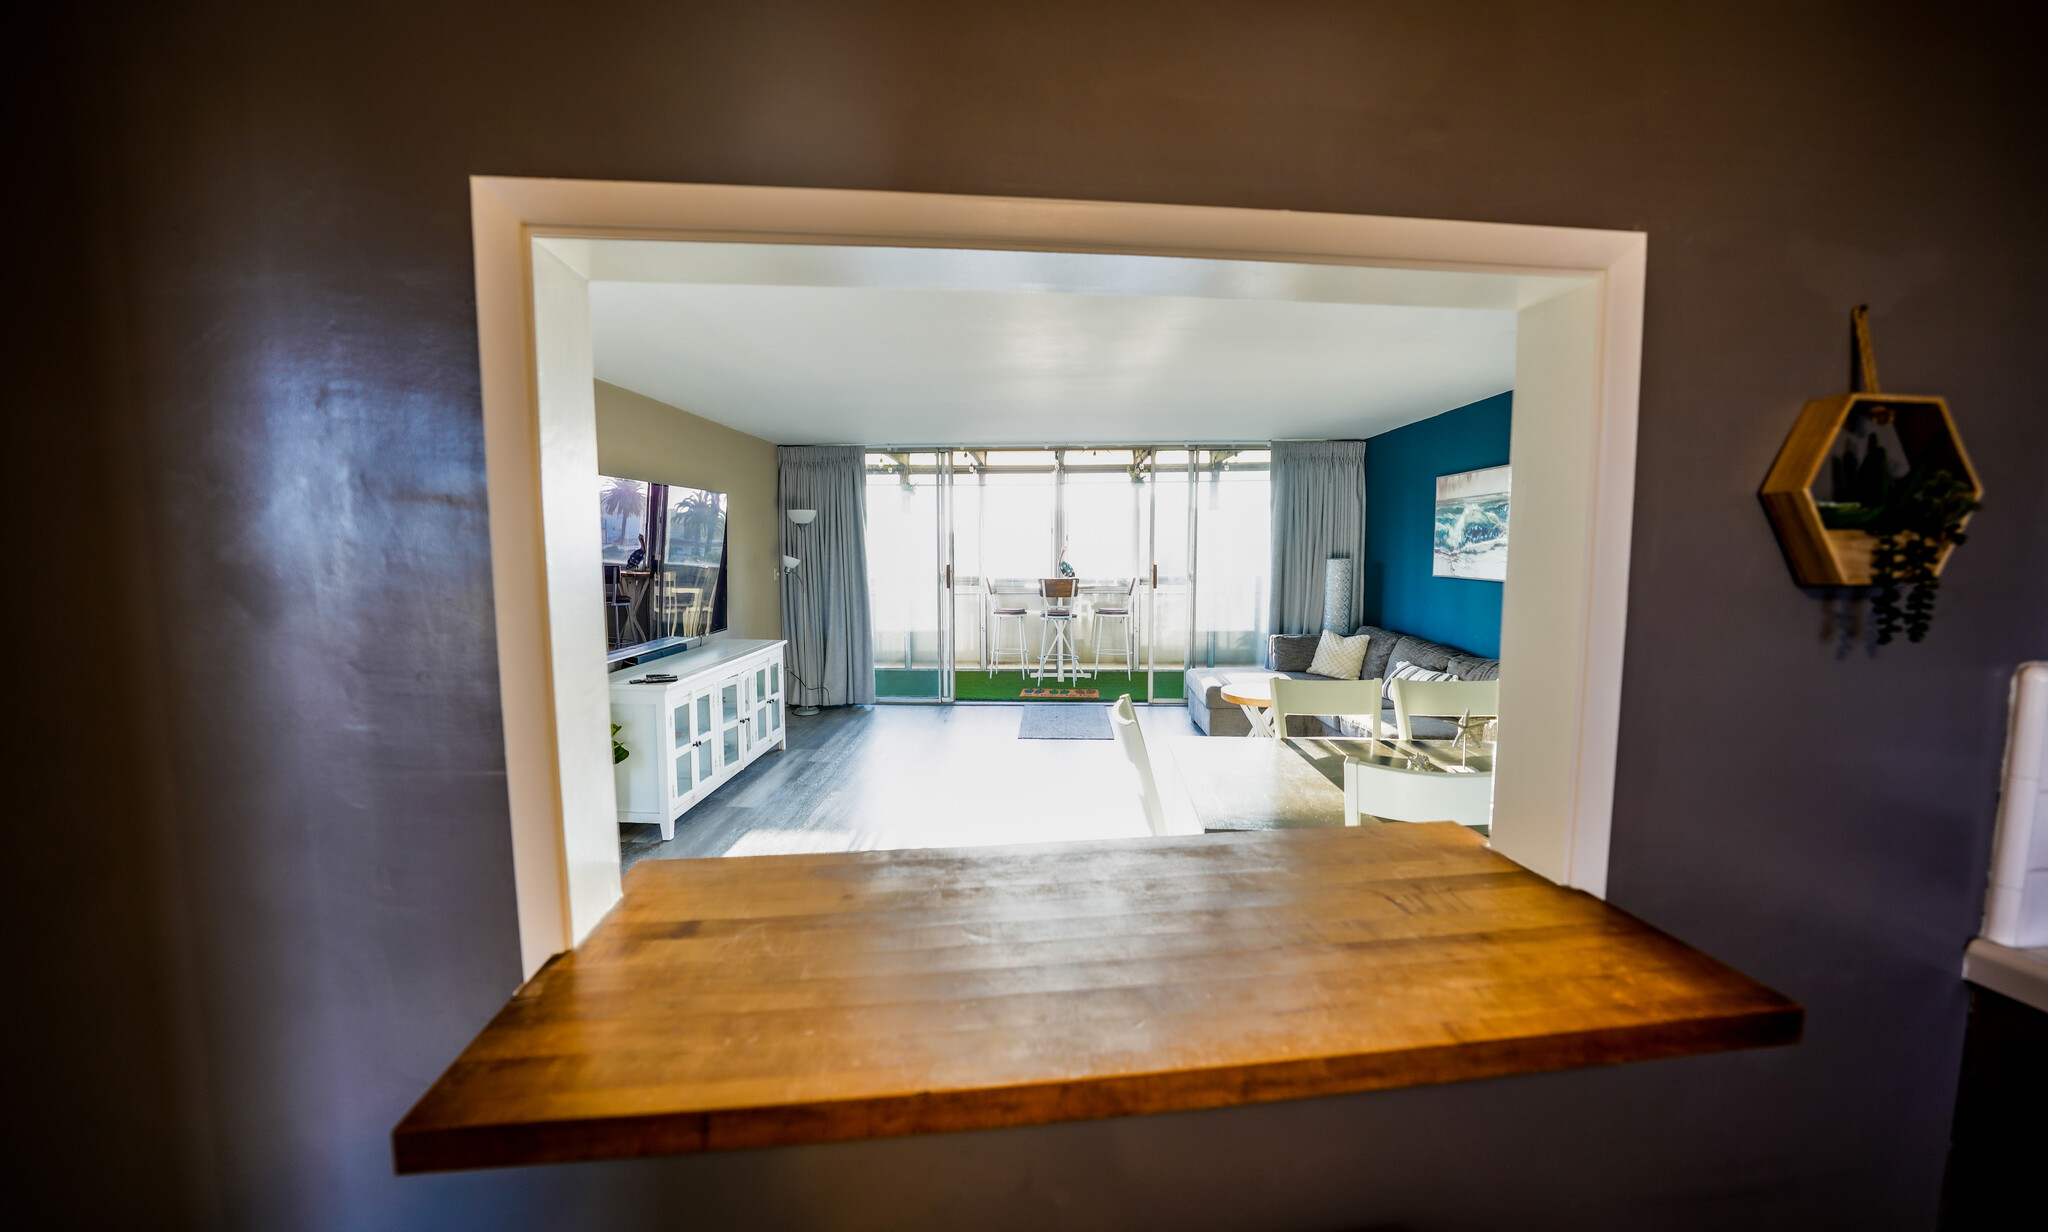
(1061, 694)
(1064, 723)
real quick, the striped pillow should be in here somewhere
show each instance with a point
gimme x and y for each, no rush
(1408, 671)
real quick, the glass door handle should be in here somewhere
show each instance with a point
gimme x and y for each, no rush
(949, 577)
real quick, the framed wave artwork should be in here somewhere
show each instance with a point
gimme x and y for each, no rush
(1472, 525)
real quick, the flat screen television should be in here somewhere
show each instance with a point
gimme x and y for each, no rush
(664, 566)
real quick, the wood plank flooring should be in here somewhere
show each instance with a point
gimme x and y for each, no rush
(872, 778)
(775, 1000)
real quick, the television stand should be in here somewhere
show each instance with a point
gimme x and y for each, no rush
(686, 737)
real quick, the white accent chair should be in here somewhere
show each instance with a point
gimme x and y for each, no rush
(1336, 698)
(1442, 699)
(1386, 793)
(1393, 794)
(1123, 724)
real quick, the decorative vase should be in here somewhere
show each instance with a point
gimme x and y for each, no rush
(1337, 595)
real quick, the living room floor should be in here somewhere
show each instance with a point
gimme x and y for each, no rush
(864, 778)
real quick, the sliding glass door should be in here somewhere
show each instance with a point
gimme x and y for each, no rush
(1114, 524)
(1170, 599)
(1005, 506)
(1233, 511)
(907, 559)
(960, 538)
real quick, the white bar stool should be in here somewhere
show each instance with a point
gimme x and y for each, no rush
(1128, 642)
(1057, 641)
(996, 648)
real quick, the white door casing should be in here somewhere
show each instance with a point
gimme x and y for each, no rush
(1580, 305)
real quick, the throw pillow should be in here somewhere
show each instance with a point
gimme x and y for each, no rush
(1292, 653)
(1339, 658)
(1377, 656)
(1408, 671)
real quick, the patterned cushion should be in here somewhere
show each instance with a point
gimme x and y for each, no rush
(1472, 667)
(1291, 653)
(1339, 658)
(1409, 671)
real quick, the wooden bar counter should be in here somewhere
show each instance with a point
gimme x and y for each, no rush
(772, 1000)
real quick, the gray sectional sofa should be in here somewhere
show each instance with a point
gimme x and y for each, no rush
(1290, 656)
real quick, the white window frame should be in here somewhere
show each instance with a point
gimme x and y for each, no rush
(1578, 368)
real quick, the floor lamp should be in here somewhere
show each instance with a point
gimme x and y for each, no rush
(802, 518)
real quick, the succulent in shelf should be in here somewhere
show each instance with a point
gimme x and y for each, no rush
(1914, 518)
(619, 751)
(1921, 520)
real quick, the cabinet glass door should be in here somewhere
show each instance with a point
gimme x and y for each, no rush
(760, 730)
(701, 706)
(732, 714)
(775, 678)
(680, 723)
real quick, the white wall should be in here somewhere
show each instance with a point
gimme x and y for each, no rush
(567, 406)
(1551, 796)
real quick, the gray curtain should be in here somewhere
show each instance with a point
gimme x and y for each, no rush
(1318, 512)
(825, 612)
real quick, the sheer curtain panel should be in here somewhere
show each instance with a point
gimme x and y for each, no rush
(1318, 512)
(825, 611)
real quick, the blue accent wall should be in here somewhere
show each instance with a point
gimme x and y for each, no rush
(1401, 468)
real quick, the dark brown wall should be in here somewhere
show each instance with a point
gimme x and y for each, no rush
(303, 906)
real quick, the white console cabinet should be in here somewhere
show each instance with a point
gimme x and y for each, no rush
(687, 737)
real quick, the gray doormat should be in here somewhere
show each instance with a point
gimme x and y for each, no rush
(1064, 721)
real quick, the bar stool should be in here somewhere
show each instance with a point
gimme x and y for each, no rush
(996, 647)
(618, 609)
(1057, 641)
(1122, 615)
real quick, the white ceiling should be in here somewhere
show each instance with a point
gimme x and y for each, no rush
(817, 344)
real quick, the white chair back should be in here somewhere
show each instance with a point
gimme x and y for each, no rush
(1442, 698)
(1335, 698)
(1123, 723)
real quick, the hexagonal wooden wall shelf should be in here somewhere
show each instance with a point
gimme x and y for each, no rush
(1832, 557)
